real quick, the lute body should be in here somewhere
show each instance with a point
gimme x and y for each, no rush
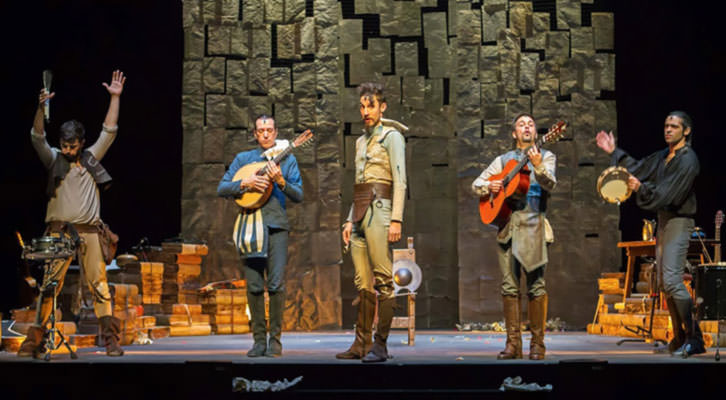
(252, 199)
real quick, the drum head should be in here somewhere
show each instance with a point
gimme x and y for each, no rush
(612, 185)
(47, 248)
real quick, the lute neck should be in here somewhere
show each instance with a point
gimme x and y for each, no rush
(277, 159)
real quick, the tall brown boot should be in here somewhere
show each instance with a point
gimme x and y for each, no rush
(537, 319)
(111, 332)
(513, 347)
(363, 327)
(33, 344)
(379, 350)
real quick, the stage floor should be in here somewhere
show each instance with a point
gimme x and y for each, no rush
(431, 347)
(442, 365)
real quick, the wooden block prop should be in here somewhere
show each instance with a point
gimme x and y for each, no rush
(227, 310)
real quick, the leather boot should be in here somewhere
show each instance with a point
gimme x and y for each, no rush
(537, 318)
(363, 328)
(33, 345)
(277, 303)
(111, 332)
(513, 348)
(379, 350)
(694, 337)
(679, 336)
(258, 324)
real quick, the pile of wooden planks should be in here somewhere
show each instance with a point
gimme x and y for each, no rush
(630, 317)
(125, 306)
(186, 320)
(227, 310)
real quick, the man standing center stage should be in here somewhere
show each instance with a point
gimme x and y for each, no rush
(523, 240)
(74, 175)
(261, 234)
(665, 183)
(374, 221)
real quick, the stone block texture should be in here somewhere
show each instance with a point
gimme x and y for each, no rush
(456, 73)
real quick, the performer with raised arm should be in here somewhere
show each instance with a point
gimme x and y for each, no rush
(522, 241)
(260, 234)
(74, 176)
(375, 221)
(664, 182)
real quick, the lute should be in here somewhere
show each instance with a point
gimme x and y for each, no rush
(515, 181)
(252, 199)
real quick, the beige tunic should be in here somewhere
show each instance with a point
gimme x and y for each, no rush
(77, 199)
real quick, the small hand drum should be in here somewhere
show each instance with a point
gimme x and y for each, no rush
(612, 185)
(48, 248)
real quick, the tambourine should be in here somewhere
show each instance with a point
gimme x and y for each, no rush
(612, 185)
(47, 248)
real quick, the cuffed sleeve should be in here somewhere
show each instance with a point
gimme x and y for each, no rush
(227, 187)
(545, 171)
(480, 186)
(103, 143)
(46, 153)
(396, 146)
(293, 181)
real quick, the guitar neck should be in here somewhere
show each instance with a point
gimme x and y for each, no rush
(717, 247)
(523, 161)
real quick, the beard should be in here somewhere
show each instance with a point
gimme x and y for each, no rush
(70, 158)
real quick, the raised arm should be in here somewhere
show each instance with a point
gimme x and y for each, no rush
(110, 123)
(37, 134)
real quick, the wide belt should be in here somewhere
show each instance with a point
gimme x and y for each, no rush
(365, 193)
(60, 226)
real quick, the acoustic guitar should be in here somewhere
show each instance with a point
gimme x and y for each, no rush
(515, 181)
(252, 199)
(717, 235)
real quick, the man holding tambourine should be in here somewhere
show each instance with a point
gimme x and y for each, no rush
(664, 183)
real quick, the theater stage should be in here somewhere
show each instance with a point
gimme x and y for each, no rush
(442, 364)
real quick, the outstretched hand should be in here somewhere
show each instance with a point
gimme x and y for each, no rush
(606, 141)
(117, 83)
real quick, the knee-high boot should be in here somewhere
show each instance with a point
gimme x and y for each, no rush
(694, 337)
(379, 350)
(277, 305)
(111, 333)
(513, 348)
(258, 324)
(537, 318)
(363, 327)
(679, 335)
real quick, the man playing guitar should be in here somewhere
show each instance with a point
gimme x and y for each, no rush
(523, 239)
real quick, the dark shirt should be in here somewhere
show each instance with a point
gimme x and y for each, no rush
(664, 186)
(273, 211)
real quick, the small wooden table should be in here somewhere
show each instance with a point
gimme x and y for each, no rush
(646, 248)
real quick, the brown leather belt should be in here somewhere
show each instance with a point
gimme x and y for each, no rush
(365, 193)
(60, 226)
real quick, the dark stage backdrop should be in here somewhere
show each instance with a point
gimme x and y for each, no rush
(83, 42)
(668, 57)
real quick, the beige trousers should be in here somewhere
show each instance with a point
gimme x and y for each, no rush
(94, 272)
(370, 251)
